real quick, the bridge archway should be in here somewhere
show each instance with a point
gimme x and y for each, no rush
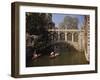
(73, 36)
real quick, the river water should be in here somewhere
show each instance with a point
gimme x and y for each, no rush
(65, 58)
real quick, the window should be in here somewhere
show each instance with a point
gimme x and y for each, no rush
(62, 36)
(75, 35)
(69, 36)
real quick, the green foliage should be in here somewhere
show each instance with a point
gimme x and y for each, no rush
(37, 24)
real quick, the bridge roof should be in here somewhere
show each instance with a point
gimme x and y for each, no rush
(73, 30)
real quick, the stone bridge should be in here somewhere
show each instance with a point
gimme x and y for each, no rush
(74, 37)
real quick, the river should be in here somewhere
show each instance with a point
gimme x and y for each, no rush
(65, 58)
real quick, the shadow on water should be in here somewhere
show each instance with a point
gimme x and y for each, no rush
(68, 56)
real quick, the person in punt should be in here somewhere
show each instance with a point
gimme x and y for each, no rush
(54, 53)
(35, 55)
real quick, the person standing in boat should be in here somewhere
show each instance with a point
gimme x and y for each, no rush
(54, 53)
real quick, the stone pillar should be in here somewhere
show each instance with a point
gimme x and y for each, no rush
(58, 35)
(80, 40)
(72, 37)
(65, 36)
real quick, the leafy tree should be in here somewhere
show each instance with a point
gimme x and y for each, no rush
(37, 24)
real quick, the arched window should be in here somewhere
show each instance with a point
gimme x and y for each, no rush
(52, 37)
(55, 36)
(75, 36)
(69, 36)
(62, 36)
